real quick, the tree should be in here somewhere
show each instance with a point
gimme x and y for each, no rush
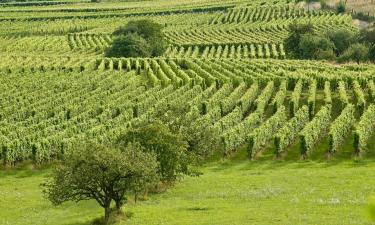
(201, 138)
(316, 47)
(342, 39)
(367, 36)
(130, 45)
(147, 30)
(170, 148)
(296, 31)
(341, 7)
(371, 53)
(356, 52)
(92, 171)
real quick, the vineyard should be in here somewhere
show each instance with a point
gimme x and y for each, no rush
(226, 70)
(254, 104)
(230, 74)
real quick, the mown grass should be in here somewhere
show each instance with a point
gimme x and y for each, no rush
(235, 191)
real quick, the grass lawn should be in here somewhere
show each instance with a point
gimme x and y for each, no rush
(237, 191)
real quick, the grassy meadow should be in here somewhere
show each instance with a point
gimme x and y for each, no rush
(234, 191)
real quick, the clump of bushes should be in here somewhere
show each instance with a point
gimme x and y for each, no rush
(341, 45)
(142, 38)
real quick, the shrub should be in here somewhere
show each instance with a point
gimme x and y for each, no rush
(341, 7)
(316, 47)
(295, 34)
(357, 52)
(342, 39)
(130, 45)
(148, 30)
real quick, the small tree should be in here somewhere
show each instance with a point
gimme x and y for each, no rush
(342, 39)
(341, 7)
(357, 52)
(130, 45)
(296, 31)
(316, 47)
(92, 171)
(170, 148)
(147, 31)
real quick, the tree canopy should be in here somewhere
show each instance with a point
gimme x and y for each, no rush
(142, 38)
(170, 148)
(92, 171)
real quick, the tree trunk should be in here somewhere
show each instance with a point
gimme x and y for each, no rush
(107, 212)
(135, 197)
(119, 205)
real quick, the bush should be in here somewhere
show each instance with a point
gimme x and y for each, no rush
(315, 47)
(357, 52)
(342, 39)
(295, 35)
(341, 7)
(170, 148)
(144, 36)
(130, 45)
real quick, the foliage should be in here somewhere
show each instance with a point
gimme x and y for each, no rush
(261, 136)
(262, 101)
(280, 96)
(316, 47)
(130, 45)
(356, 52)
(315, 130)
(92, 171)
(295, 97)
(142, 38)
(341, 7)
(341, 127)
(296, 31)
(364, 129)
(170, 148)
(289, 132)
(359, 97)
(342, 39)
(327, 93)
(236, 136)
(311, 100)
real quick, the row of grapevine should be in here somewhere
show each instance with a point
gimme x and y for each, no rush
(315, 130)
(288, 134)
(272, 50)
(341, 127)
(261, 136)
(364, 129)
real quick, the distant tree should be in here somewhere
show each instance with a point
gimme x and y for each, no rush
(92, 171)
(341, 7)
(356, 52)
(371, 53)
(367, 36)
(323, 4)
(316, 47)
(342, 39)
(129, 45)
(170, 148)
(146, 30)
(296, 30)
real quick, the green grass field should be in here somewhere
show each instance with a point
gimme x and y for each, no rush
(236, 191)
